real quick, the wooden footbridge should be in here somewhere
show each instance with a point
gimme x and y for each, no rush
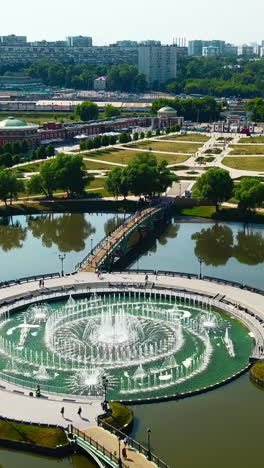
(99, 257)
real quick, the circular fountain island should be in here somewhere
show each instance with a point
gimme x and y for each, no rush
(148, 346)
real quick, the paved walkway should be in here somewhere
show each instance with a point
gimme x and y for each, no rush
(110, 442)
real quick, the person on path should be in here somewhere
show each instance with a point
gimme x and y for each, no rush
(126, 441)
(62, 411)
(79, 412)
(124, 453)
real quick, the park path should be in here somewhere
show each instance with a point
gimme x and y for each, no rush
(110, 442)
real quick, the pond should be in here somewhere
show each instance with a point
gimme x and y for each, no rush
(220, 428)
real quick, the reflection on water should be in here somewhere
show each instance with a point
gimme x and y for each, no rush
(12, 234)
(67, 231)
(113, 223)
(170, 232)
(216, 245)
(14, 459)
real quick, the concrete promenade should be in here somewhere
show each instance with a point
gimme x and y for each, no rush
(18, 406)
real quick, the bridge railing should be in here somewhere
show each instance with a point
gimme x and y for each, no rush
(28, 279)
(94, 443)
(133, 443)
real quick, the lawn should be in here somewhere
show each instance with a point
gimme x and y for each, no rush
(257, 139)
(195, 137)
(98, 186)
(125, 156)
(45, 436)
(165, 146)
(250, 149)
(200, 211)
(39, 117)
(31, 167)
(121, 415)
(245, 164)
(94, 165)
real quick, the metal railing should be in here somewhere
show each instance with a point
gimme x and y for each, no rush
(132, 443)
(99, 447)
(28, 279)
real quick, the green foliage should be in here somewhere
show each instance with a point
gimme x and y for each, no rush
(117, 182)
(201, 110)
(249, 193)
(111, 111)
(158, 132)
(135, 136)
(87, 111)
(149, 134)
(215, 185)
(142, 135)
(10, 185)
(124, 137)
(125, 78)
(36, 435)
(50, 151)
(256, 109)
(64, 172)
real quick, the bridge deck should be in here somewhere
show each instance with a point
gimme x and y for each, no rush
(110, 442)
(95, 259)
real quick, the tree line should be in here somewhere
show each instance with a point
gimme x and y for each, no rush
(197, 110)
(18, 152)
(219, 77)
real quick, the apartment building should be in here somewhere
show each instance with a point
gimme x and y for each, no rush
(157, 63)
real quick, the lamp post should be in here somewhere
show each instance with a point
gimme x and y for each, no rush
(149, 451)
(200, 260)
(91, 246)
(62, 258)
(105, 382)
(119, 453)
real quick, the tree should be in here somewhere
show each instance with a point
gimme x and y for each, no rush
(215, 185)
(6, 160)
(44, 182)
(97, 141)
(105, 140)
(167, 130)
(147, 177)
(124, 137)
(117, 182)
(111, 111)
(87, 111)
(135, 136)
(10, 185)
(41, 152)
(149, 134)
(70, 175)
(50, 151)
(142, 135)
(249, 193)
(158, 132)
(112, 140)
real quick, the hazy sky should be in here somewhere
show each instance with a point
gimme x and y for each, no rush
(106, 21)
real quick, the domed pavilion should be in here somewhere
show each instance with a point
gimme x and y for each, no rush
(12, 129)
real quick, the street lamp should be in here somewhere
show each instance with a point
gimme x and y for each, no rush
(200, 260)
(91, 246)
(119, 453)
(62, 258)
(149, 451)
(105, 383)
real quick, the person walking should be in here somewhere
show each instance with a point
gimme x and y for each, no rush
(62, 411)
(124, 453)
(79, 411)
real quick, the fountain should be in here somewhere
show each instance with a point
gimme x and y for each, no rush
(147, 346)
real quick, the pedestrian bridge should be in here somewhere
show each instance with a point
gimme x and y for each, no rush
(105, 447)
(115, 245)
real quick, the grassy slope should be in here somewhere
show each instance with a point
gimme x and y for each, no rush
(189, 137)
(258, 370)
(165, 146)
(125, 156)
(121, 415)
(244, 163)
(47, 437)
(258, 139)
(250, 149)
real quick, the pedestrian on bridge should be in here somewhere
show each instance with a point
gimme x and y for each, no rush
(62, 411)
(79, 411)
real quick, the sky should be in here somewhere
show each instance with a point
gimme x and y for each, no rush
(236, 21)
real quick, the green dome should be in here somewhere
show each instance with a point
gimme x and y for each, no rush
(11, 123)
(167, 109)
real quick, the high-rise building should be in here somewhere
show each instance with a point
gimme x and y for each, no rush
(245, 50)
(126, 43)
(157, 63)
(150, 43)
(211, 51)
(79, 41)
(196, 47)
(12, 39)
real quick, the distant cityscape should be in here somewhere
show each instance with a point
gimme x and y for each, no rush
(156, 61)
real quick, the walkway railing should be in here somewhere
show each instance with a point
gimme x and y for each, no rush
(99, 447)
(133, 443)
